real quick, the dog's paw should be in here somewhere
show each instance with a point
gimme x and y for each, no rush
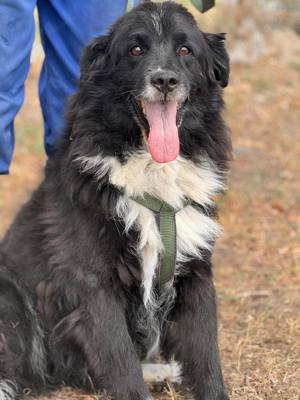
(7, 389)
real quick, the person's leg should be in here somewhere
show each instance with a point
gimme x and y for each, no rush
(16, 38)
(66, 27)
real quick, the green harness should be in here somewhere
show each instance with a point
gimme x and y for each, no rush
(167, 227)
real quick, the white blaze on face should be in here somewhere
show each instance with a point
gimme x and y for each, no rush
(163, 139)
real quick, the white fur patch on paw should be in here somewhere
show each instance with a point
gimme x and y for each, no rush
(155, 373)
(7, 390)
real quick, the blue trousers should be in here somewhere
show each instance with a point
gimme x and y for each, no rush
(66, 27)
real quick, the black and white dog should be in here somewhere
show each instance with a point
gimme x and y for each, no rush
(79, 303)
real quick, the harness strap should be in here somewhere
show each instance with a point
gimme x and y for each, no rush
(167, 227)
(203, 5)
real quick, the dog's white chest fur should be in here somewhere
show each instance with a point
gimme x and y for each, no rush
(172, 183)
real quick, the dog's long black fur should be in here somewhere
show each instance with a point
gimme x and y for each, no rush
(71, 291)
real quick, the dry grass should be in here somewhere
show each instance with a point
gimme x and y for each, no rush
(258, 258)
(257, 261)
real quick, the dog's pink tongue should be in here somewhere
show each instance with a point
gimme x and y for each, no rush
(163, 140)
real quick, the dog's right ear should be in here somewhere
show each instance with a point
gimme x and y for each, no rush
(219, 59)
(93, 56)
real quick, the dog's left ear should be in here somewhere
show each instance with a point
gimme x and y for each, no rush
(218, 68)
(93, 56)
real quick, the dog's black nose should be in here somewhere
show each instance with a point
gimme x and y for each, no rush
(164, 81)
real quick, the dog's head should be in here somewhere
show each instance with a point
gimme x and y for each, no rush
(160, 66)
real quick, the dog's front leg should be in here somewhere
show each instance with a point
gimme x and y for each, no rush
(112, 354)
(191, 335)
(99, 327)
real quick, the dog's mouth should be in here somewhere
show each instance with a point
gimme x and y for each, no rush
(160, 120)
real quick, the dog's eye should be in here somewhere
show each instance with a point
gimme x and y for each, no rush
(136, 51)
(184, 51)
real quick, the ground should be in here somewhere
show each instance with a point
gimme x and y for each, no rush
(257, 259)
